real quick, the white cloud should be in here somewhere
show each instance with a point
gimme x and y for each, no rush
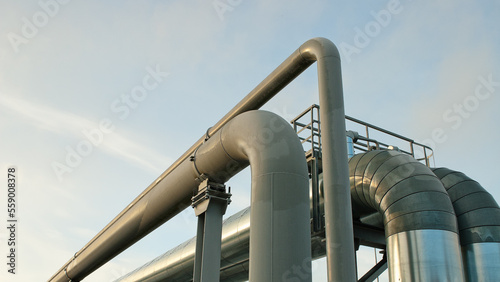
(59, 84)
(64, 123)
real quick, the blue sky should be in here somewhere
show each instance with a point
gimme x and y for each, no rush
(429, 72)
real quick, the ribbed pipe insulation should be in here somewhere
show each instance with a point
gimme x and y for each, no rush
(419, 220)
(478, 217)
(384, 182)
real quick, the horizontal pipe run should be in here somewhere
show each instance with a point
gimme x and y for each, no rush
(177, 263)
(245, 141)
(341, 246)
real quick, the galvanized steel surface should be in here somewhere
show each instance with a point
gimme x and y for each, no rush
(478, 216)
(477, 211)
(419, 220)
(404, 191)
(177, 264)
(482, 261)
(424, 255)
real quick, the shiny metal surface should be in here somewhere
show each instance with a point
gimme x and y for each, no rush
(173, 266)
(340, 241)
(177, 264)
(418, 216)
(482, 262)
(405, 192)
(478, 216)
(235, 253)
(370, 166)
(281, 155)
(424, 255)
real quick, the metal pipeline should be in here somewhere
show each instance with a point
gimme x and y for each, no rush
(419, 221)
(478, 217)
(383, 179)
(177, 263)
(279, 196)
(341, 262)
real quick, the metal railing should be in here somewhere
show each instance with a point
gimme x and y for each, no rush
(307, 127)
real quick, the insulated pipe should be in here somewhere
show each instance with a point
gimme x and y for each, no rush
(341, 262)
(177, 264)
(478, 217)
(280, 218)
(419, 221)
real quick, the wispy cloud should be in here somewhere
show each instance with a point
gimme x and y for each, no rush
(45, 118)
(71, 125)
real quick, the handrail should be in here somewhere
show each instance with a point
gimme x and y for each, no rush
(302, 126)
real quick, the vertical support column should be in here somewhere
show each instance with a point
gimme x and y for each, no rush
(209, 205)
(317, 216)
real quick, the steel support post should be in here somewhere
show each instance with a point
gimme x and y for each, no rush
(317, 216)
(209, 205)
(375, 271)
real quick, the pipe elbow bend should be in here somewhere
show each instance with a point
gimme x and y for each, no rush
(317, 48)
(405, 192)
(478, 213)
(260, 138)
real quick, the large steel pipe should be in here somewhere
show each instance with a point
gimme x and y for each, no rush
(478, 217)
(177, 264)
(279, 218)
(419, 221)
(279, 195)
(341, 263)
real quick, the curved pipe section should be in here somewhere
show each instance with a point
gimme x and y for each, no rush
(279, 218)
(341, 262)
(419, 221)
(279, 195)
(478, 217)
